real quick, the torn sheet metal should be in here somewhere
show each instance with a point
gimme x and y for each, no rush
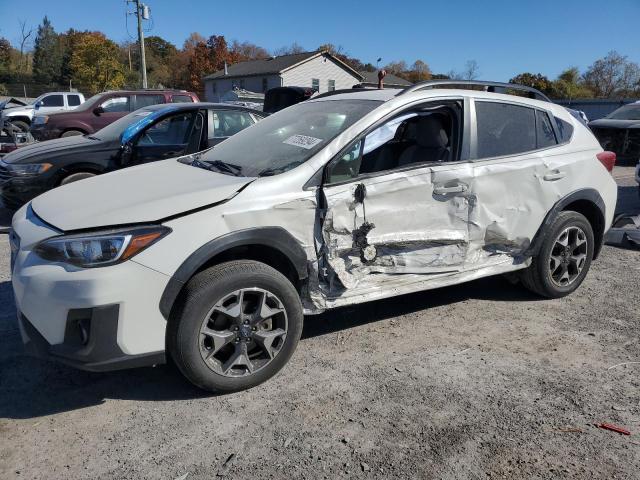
(433, 225)
(395, 228)
(625, 231)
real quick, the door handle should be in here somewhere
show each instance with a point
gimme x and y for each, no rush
(453, 189)
(557, 175)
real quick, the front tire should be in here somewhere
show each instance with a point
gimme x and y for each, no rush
(564, 258)
(72, 133)
(74, 177)
(234, 326)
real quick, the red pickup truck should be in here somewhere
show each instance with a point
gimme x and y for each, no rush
(101, 110)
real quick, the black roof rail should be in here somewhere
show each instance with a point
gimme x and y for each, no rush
(495, 87)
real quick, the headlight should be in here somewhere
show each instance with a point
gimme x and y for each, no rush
(40, 120)
(99, 249)
(26, 169)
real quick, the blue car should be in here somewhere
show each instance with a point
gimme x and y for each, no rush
(152, 133)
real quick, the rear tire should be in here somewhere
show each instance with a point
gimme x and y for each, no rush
(563, 259)
(71, 133)
(234, 326)
(74, 177)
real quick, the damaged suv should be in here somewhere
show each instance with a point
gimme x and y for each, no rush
(214, 258)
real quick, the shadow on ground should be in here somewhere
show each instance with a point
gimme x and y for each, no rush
(33, 387)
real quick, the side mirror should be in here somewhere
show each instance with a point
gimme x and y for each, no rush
(38, 105)
(126, 152)
(98, 110)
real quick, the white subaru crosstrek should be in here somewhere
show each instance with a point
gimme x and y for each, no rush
(214, 258)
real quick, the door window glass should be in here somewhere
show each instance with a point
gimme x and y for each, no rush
(73, 100)
(544, 130)
(53, 101)
(116, 104)
(146, 100)
(504, 129)
(173, 130)
(228, 122)
(414, 137)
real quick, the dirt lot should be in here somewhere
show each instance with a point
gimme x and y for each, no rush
(474, 381)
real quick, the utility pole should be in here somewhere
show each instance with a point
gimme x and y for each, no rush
(141, 13)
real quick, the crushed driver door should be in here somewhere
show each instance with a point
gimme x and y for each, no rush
(394, 228)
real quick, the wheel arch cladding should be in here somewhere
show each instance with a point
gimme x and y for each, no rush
(273, 246)
(587, 202)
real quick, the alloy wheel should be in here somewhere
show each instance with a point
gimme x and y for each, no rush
(243, 332)
(568, 256)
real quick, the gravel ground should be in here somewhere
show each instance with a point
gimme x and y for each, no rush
(473, 381)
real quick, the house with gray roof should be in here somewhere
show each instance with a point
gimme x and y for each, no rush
(319, 70)
(370, 80)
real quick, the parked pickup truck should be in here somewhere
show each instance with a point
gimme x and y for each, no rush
(101, 110)
(21, 115)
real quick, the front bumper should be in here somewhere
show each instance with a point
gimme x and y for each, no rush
(43, 132)
(90, 342)
(95, 318)
(16, 191)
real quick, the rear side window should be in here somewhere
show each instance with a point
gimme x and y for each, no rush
(73, 100)
(544, 131)
(141, 101)
(53, 101)
(504, 129)
(116, 104)
(181, 99)
(228, 122)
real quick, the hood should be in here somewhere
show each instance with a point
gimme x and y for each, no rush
(144, 194)
(49, 149)
(613, 123)
(6, 104)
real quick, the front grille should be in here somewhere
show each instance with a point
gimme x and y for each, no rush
(4, 174)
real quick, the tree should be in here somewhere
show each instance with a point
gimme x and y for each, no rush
(535, 80)
(396, 67)
(241, 52)
(218, 52)
(570, 84)
(292, 49)
(47, 57)
(471, 70)
(94, 63)
(613, 75)
(5, 57)
(25, 34)
(199, 65)
(419, 72)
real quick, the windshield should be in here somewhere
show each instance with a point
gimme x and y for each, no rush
(286, 139)
(628, 112)
(115, 129)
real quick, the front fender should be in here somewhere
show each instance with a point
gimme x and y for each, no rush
(273, 237)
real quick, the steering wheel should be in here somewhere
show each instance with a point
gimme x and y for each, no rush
(148, 137)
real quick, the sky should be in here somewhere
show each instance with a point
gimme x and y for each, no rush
(504, 37)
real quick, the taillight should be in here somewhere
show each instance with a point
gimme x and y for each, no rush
(608, 159)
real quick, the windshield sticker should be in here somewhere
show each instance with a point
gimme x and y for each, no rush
(303, 141)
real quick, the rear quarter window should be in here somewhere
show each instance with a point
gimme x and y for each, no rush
(181, 99)
(565, 130)
(141, 101)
